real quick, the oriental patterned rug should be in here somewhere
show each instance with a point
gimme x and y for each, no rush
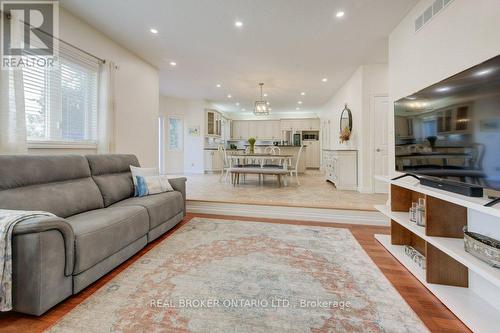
(234, 276)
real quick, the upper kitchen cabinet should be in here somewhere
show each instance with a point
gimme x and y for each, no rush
(311, 124)
(240, 130)
(258, 129)
(213, 123)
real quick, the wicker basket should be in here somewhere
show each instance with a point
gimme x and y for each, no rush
(482, 247)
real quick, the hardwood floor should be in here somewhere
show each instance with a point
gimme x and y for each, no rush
(432, 312)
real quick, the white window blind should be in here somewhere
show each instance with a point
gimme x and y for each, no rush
(61, 105)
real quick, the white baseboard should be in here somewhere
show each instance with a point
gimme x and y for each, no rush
(289, 213)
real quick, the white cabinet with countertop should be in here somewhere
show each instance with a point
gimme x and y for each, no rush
(341, 168)
(212, 160)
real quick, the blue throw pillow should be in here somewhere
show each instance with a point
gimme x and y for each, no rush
(141, 189)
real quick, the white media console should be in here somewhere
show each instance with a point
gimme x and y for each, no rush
(469, 287)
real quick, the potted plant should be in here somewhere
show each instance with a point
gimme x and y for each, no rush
(251, 142)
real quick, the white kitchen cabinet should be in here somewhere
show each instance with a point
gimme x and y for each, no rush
(240, 130)
(212, 160)
(213, 123)
(312, 124)
(235, 129)
(309, 124)
(258, 129)
(312, 154)
(275, 130)
(341, 168)
(287, 124)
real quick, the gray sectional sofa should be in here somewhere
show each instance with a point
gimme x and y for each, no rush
(99, 222)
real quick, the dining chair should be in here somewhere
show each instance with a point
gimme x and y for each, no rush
(296, 168)
(225, 162)
(274, 163)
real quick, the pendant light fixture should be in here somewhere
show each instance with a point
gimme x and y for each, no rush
(261, 106)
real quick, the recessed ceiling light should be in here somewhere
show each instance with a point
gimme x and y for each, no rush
(218, 85)
(299, 102)
(238, 24)
(153, 31)
(324, 79)
(411, 97)
(173, 63)
(443, 89)
(265, 95)
(340, 14)
(237, 104)
(229, 96)
(302, 93)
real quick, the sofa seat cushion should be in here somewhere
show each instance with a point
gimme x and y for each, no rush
(161, 207)
(101, 233)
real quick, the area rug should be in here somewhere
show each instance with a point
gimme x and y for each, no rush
(234, 276)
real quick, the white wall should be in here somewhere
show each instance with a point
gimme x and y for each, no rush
(137, 91)
(190, 160)
(460, 36)
(367, 81)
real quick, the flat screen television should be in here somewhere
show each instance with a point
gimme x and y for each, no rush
(451, 130)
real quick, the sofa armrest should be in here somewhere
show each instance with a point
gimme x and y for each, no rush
(179, 184)
(47, 223)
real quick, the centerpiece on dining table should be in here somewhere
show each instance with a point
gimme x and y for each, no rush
(251, 142)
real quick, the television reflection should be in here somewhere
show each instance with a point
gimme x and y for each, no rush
(452, 129)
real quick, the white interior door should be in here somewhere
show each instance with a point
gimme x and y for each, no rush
(380, 140)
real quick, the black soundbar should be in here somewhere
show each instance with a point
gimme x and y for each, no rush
(469, 190)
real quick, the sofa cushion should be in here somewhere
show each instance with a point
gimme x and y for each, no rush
(161, 207)
(103, 232)
(58, 184)
(112, 174)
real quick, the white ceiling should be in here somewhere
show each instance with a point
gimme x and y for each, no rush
(290, 45)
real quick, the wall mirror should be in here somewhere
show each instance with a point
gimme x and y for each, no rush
(346, 119)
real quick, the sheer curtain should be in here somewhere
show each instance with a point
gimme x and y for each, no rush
(106, 110)
(12, 111)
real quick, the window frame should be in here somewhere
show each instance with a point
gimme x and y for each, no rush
(180, 147)
(62, 144)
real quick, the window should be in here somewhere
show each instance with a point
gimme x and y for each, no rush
(175, 134)
(61, 105)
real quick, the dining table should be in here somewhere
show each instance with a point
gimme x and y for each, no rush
(285, 160)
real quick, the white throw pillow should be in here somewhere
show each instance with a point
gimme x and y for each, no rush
(157, 184)
(152, 185)
(142, 172)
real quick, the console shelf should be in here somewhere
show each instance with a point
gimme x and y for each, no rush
(458, 199)
(466, 285)
(454, 247)
(472, 310)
